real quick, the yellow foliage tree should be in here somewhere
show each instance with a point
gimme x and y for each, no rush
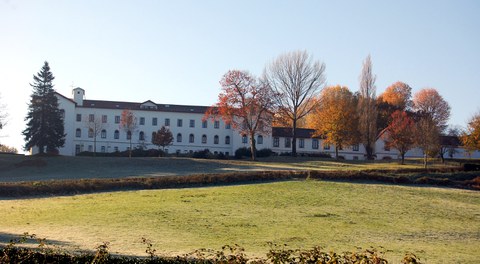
(335, 117)
(471, 137)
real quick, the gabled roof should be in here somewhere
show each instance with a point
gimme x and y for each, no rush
(137, 106)
(287, 132)
(61, 95)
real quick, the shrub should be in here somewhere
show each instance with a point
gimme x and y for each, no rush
(264, 153)
(202, 154)
(242, 152)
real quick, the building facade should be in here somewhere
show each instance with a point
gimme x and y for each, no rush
(190, 131)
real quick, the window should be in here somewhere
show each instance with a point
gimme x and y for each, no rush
(141, 136)
(90, 133)
(116, 134)
(215, 139)
(288, 142)
(91, 118)
(227, 126)
(90, 148)
(355, 157)
(79, 117)
(179, 137)
(386, 147)
(244, 139)
(154, 121)
(276, 142)
(129, 135)
(104, 118)
(204, 139)
(179, 122)
(103, 134)
(355, 147)
(117, 119)
(167, 121)
(77, 149)
(216, 124)
(78, 132)
(103, 149)
(204, 124)
(326, 146)
(192, 123)
(191, 138)
(227, 140)
(301, 143)
(314, 143)
(260, 139)
(115, 149)
(142, 121)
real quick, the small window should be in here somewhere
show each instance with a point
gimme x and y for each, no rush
(179, 137)
(91, 118)
(191, 138)
(116, 134)
(355, 147)
(326, 146)
(204, 139)
(103, 149)
(276, 142)
(77, 149)
(244, 139)
(301, 143)
(288, 142)
(90, 148)
(154, 121)
(142, 121)
(227, 126)
(192, 123)
(141, 136)
(227, 140)
(129, 135)
(117, 119)
(216, 124)
(260, 139)
(90, 133)
(386, 147)
(167, 122)
(103, 134)
(314, 143)
(104, 119)
(78, 133)
(204, 124)
(215, 139)
(179, 122)
(79, 117)
(115, 149)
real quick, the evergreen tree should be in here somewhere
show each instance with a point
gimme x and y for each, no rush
(45, 120)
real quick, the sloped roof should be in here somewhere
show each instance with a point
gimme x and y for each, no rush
(137, 106)
(287, 132)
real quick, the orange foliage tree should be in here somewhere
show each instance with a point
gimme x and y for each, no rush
(246, 103)
(128, 123)
(335, 117)
(430, 104)
(399, 95)
(471, 137)
(400, 133)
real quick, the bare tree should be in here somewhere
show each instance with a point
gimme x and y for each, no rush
(295, 80)
(94, 125)
(128, 123)
(427, 137)
(3, 114)
(367, 108)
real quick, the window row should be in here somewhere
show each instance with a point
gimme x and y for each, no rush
(301, 144)
(141, 121)
(259, 139)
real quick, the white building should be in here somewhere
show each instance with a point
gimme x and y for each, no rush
(190, 132)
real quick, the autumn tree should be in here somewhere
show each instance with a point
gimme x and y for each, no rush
(335, 117)
(7, 149)
(44, 119)
(400, 133)
(162, 138)
(427, 137)
(471, 137)
(128, 123)
(367, 109)
(246, 103)
(397, 97)
(295, 80)
(429, 103)
(94, 125)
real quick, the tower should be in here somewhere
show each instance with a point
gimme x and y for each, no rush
(78, 95)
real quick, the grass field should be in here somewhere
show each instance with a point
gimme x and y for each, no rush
(439, 225)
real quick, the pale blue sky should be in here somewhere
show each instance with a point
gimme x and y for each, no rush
(176, 51)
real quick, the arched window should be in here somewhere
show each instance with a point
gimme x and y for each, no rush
(116, 134)
(90, 133)
(191, 138)
(204, 139)
(141, 136)
(227, 140)
(244, 139)
(129, 135)
(260, 139)
(103, 134)
(215, 139)
(179, 137)
(78, 132)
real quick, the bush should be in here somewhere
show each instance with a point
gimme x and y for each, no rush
(264, 153)
(245, 152)
(202, 154)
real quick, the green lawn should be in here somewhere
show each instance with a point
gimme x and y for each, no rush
(440, 225)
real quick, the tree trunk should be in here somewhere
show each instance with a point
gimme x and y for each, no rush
(403, 158)
(294, 138)
(130, 149)
(95, 146)
(253, 149)
(336, 151)
(425, 160)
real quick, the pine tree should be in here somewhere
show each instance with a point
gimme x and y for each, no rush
(45, 120)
